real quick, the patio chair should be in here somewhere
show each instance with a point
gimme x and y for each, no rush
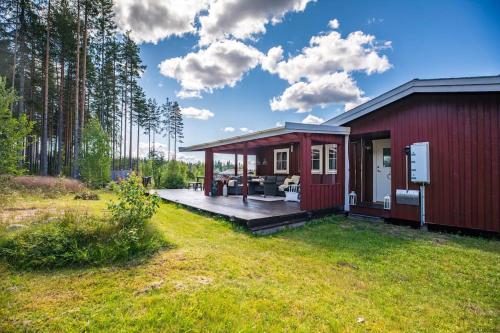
(234, 187)
(292, 193)
(270, 187)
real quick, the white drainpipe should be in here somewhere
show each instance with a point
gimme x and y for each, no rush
(346, 173)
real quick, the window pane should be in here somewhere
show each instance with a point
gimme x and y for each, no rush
(315, 154)
(315, 164)
(386, 157)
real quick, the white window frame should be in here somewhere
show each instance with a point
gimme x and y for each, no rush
(320, 170)
(327, 158)
(282, 150)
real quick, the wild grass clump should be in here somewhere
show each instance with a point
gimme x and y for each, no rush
(76, 240)
(14, 187)
(87, 195)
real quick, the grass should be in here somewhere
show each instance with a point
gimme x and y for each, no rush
(323, 277)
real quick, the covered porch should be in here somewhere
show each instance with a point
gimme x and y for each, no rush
(310, 157)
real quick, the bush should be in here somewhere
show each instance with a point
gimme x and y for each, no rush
(75, 240)
(175, 175)
(87, 196)
(135, 206)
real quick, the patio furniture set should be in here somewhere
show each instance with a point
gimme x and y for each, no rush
(266, 185)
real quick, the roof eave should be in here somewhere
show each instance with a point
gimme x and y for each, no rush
(289, 127)
(450, 85)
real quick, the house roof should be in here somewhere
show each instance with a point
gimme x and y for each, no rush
(285, 129)
(445, 85)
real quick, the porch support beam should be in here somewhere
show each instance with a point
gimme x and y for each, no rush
(209, 170)
(236, 164)
(245, 172)
(305, 171)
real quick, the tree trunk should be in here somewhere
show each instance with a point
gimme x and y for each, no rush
(113, 119)
(43, 153)
(60, 121)
(130, 166)
(76, 129)
(84, 74)
(137, 148)
(125, 116)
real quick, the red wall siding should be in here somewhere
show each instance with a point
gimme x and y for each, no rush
(463, 131)
(268, 154)
(322, 191)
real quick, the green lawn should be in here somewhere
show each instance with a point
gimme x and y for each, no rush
(323, 277)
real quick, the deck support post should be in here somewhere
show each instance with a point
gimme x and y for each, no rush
(305, 171)
(209, 170)
(245, 172)
(236, 164)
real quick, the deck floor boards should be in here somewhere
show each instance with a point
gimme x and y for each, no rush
(233, 207)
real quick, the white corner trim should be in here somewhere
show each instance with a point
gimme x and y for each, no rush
(346, 173)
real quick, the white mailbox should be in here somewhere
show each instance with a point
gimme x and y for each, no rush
(419, 157)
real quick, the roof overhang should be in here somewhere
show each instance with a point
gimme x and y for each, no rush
(281, 130)
(450, 85)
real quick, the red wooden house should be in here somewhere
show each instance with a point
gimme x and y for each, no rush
(360, 159)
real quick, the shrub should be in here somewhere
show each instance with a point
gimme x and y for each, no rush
(175, 175)
(87, 196)
(135, 206)
(74, 240)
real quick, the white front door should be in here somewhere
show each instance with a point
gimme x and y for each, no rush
(381, 169)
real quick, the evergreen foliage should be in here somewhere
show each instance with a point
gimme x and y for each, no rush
(13, 131)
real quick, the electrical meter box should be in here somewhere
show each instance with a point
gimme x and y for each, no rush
(420, 164)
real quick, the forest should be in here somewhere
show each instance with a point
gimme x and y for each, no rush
(73, 76)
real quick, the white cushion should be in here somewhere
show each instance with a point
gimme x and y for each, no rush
(231, 183)
(296, 179)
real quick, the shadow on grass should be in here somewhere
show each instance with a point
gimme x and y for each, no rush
(372, 239)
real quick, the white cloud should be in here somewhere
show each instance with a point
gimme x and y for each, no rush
(244, 19)
(163, 148)
(320, 74)
(229, 129)
(351, 105)
(310, 119)
(334, 24)
(246, 130)
(222, 64)
(279, 124)
(201, 114)
(152, 20)
(327, 54)
(303, 96)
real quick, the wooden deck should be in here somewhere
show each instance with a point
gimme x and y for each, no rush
(256, 215)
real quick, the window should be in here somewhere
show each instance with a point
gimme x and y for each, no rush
(317, 159)
(281, 160)
(331, 159)
(386, 153)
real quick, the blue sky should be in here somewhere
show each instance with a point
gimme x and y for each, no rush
(428, 39)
